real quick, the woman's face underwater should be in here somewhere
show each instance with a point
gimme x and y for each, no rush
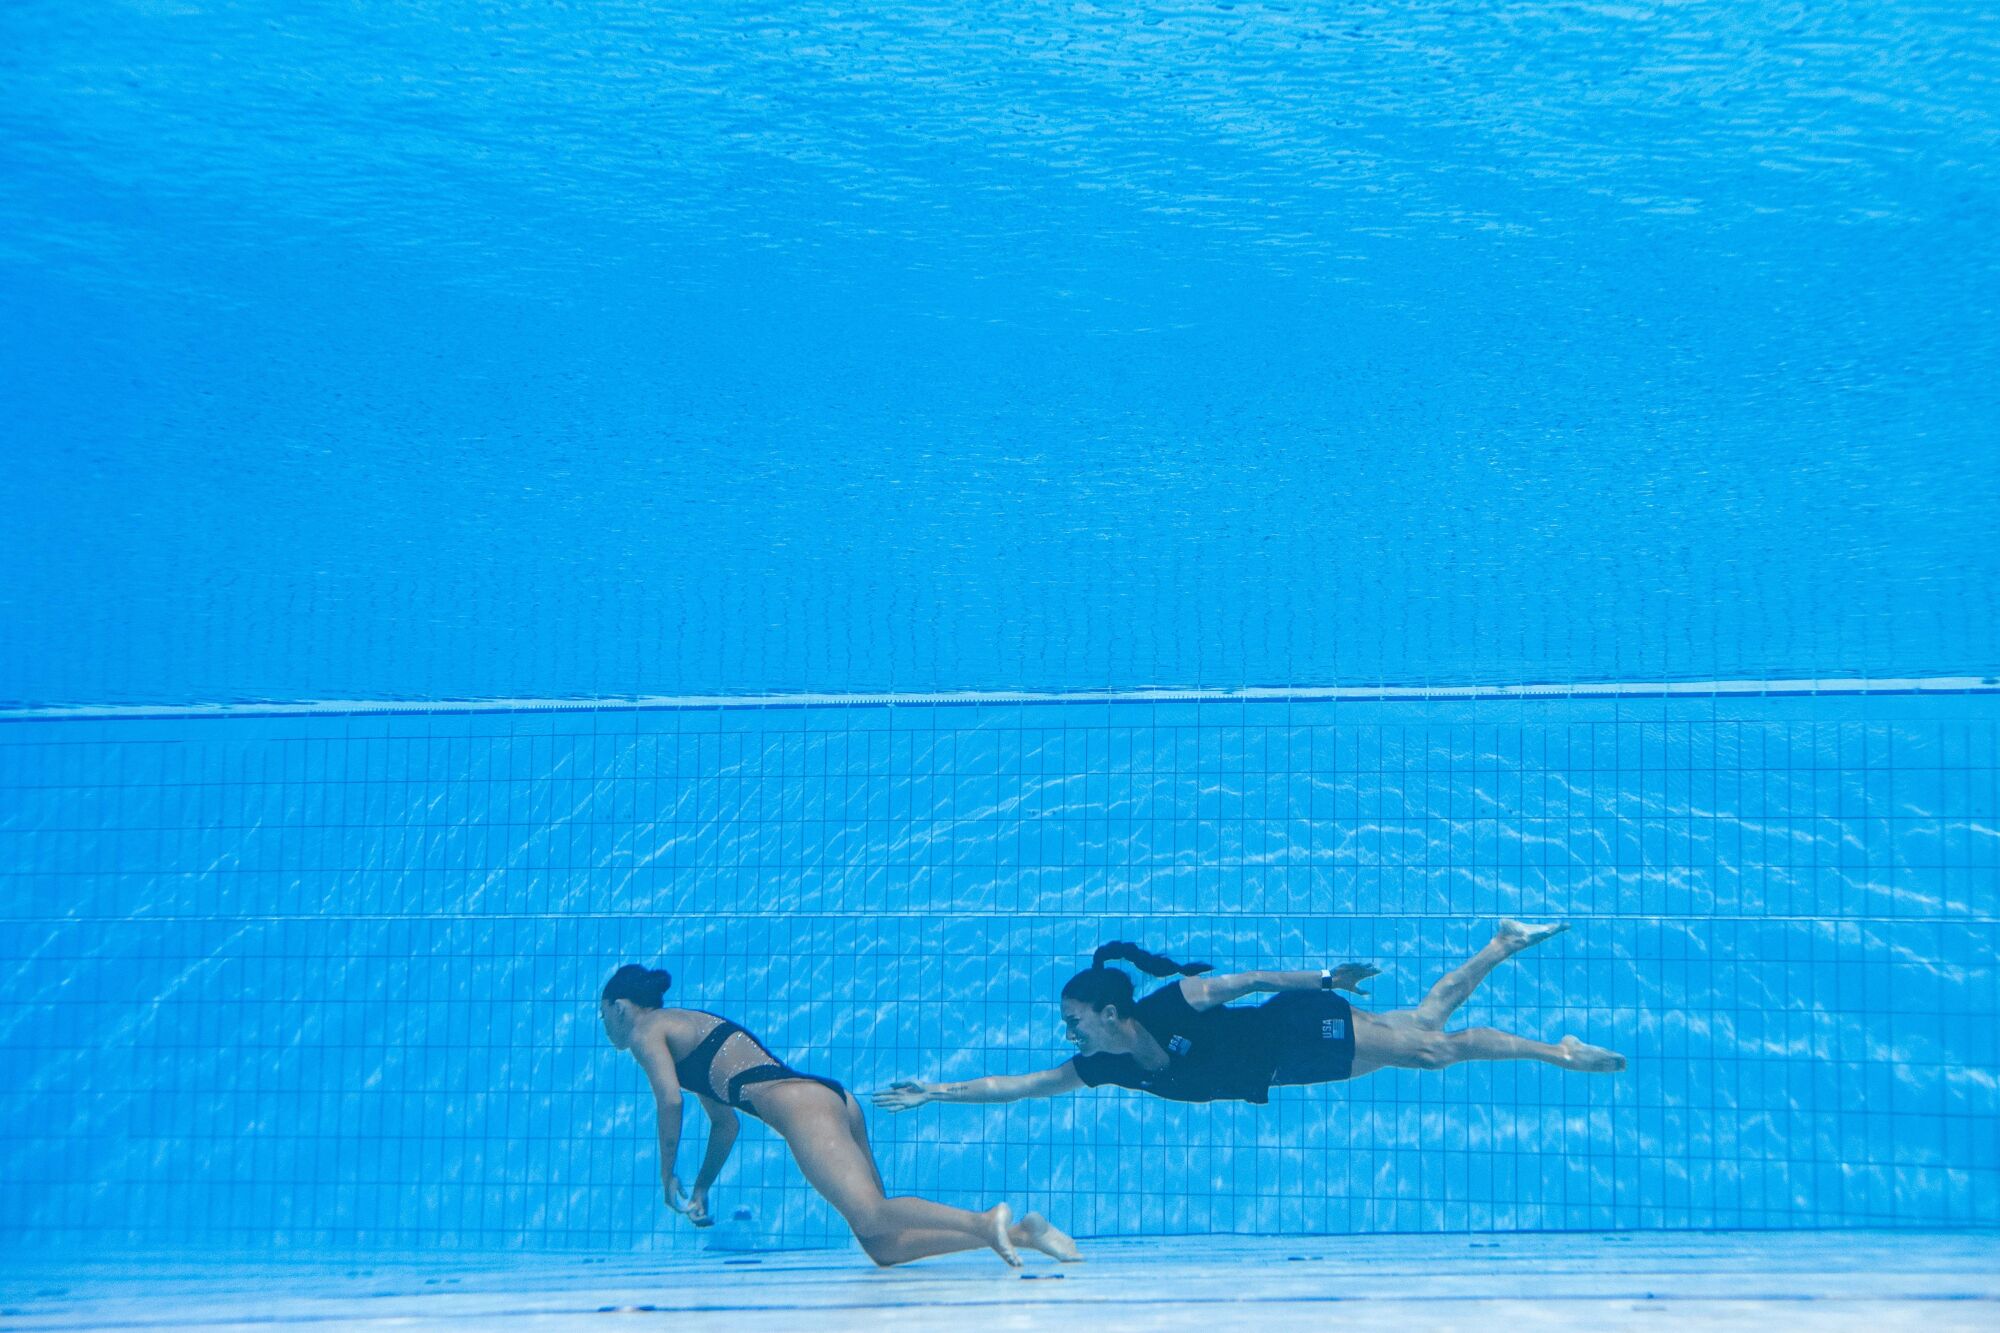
(1088, 1029)
(617, 1018)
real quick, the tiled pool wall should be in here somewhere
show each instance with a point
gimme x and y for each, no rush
(331, 979)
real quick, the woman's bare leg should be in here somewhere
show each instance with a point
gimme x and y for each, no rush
(1569, 1053)
(920, 1244)
(1033, 1231)
(840, 1167)
(859, 1128)
(908, 1246)
(1387, 1043)
(1415, 1038)
(1509, 938)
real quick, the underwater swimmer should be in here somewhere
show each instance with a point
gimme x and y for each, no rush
(1184, 1042)
(728, 1069)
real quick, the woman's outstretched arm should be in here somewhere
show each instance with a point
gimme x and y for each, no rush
(993, 1088)
(1208, 992)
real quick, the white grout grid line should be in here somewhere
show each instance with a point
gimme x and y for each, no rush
(330, 978)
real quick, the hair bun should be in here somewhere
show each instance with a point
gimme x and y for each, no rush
(642, 985)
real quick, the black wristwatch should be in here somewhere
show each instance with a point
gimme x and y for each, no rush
(1326, 978)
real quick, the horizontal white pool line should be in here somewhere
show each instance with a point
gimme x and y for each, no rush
(1260, 694)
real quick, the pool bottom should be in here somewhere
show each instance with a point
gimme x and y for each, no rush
(1938, 1281)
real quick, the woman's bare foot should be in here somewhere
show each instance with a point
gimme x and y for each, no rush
(1035, 1232)
(1591, 1059)
(1000, 1220)
(1517, 936)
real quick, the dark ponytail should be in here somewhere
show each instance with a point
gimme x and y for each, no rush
(643, 986)
(1100, 986)
(1152, 964)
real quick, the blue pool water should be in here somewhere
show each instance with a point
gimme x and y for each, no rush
(493, 348)
(331, 979)
(370, 374)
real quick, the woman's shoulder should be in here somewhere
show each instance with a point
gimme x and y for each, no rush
(673, 1022)
(688, 1022)
(1168, 1000)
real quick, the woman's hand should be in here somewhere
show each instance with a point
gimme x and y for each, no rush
(1348, 976)
(692, 1205)
(903, 1096)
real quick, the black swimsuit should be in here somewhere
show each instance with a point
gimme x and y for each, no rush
(697, 1071)
(1233, 1053)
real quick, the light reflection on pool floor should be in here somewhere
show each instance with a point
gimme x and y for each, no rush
(1829, 1280)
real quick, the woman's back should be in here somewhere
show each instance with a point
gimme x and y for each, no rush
(718, 1058)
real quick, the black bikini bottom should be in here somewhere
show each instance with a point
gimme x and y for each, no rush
(771, 1074)
(697, 1071)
